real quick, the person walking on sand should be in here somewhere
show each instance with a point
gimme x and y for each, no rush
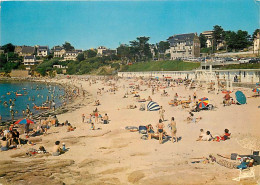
(174, 130)
(160, 127)
(161, 112)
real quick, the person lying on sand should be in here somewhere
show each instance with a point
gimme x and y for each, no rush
(193, 119)
(131, 106)
(70, 128)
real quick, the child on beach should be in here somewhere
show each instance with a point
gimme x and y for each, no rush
(174, 130)
(201, 135)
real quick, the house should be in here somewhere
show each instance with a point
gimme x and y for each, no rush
(18, 50)
(209, 36)
(42, 51)
(58, 52)
(257, 43)
(71, 55)
(29, 61)
(184, 46)
(103, 51)
(27, 51)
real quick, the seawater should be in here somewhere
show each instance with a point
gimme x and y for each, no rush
(33, 93)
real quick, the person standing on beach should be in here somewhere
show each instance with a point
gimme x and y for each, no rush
(160, 127)
(194, 96)
(83, 118)
(161, 112)
(105, 118)
(53, 105)
(174, 130)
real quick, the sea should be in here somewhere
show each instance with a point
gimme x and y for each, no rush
(23, 94)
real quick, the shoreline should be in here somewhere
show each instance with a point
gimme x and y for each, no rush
(59, 110)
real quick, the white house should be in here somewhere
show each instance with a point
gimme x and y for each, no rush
(184, 46)
(29, 61)
(257, 43)
(209, 36)
(58, 52)
(71, 55)
(43, 51)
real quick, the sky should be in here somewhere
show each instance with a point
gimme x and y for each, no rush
(89, 24)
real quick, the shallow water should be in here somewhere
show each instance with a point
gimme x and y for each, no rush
(32, 93)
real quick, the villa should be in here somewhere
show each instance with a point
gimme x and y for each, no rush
(184, 46)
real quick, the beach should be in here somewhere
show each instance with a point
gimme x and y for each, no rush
(110, 154)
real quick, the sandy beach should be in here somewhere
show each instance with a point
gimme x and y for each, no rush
(110, 154)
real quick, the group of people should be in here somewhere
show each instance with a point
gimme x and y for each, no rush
(9, 138)
(207, 136)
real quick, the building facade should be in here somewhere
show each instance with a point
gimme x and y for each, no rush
(59, 52)
(103, 51)
(43, 51)
(257, 44)
(209, 36)
(184, 46)
(29, 61)
(71, 55)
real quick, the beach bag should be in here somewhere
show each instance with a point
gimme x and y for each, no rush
(142, 129)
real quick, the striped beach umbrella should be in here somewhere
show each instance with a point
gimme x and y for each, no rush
(153, 106)
(24, 121)
(203, 102)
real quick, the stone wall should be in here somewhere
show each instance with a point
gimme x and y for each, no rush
(19, 73)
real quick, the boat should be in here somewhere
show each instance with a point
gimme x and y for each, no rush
(17, 94)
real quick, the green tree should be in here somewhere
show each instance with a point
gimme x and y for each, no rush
(203, 40)
(162, 47)
(218, 35)
(255, 33)
(237, 40)
(123, 52)
(91, 53)
(80, 57)
(68, 47)
(8, 48)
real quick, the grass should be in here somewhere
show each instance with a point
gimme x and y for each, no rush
(175, 65)
(241, 66)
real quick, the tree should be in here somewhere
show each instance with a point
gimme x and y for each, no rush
(91, 53)
(123, 52)
(8, 48)
(237, 40)
(203, 40)
(80, 57)
(255, 33)
(218, 35)
(68, 47)
(162, 47)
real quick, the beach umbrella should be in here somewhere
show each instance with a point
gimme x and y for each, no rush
(256, 90)
(241, 98)
(24, 121)
(203, 102)
(226, 92)
(153, 106)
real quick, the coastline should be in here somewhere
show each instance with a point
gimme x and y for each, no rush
(71, 104)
